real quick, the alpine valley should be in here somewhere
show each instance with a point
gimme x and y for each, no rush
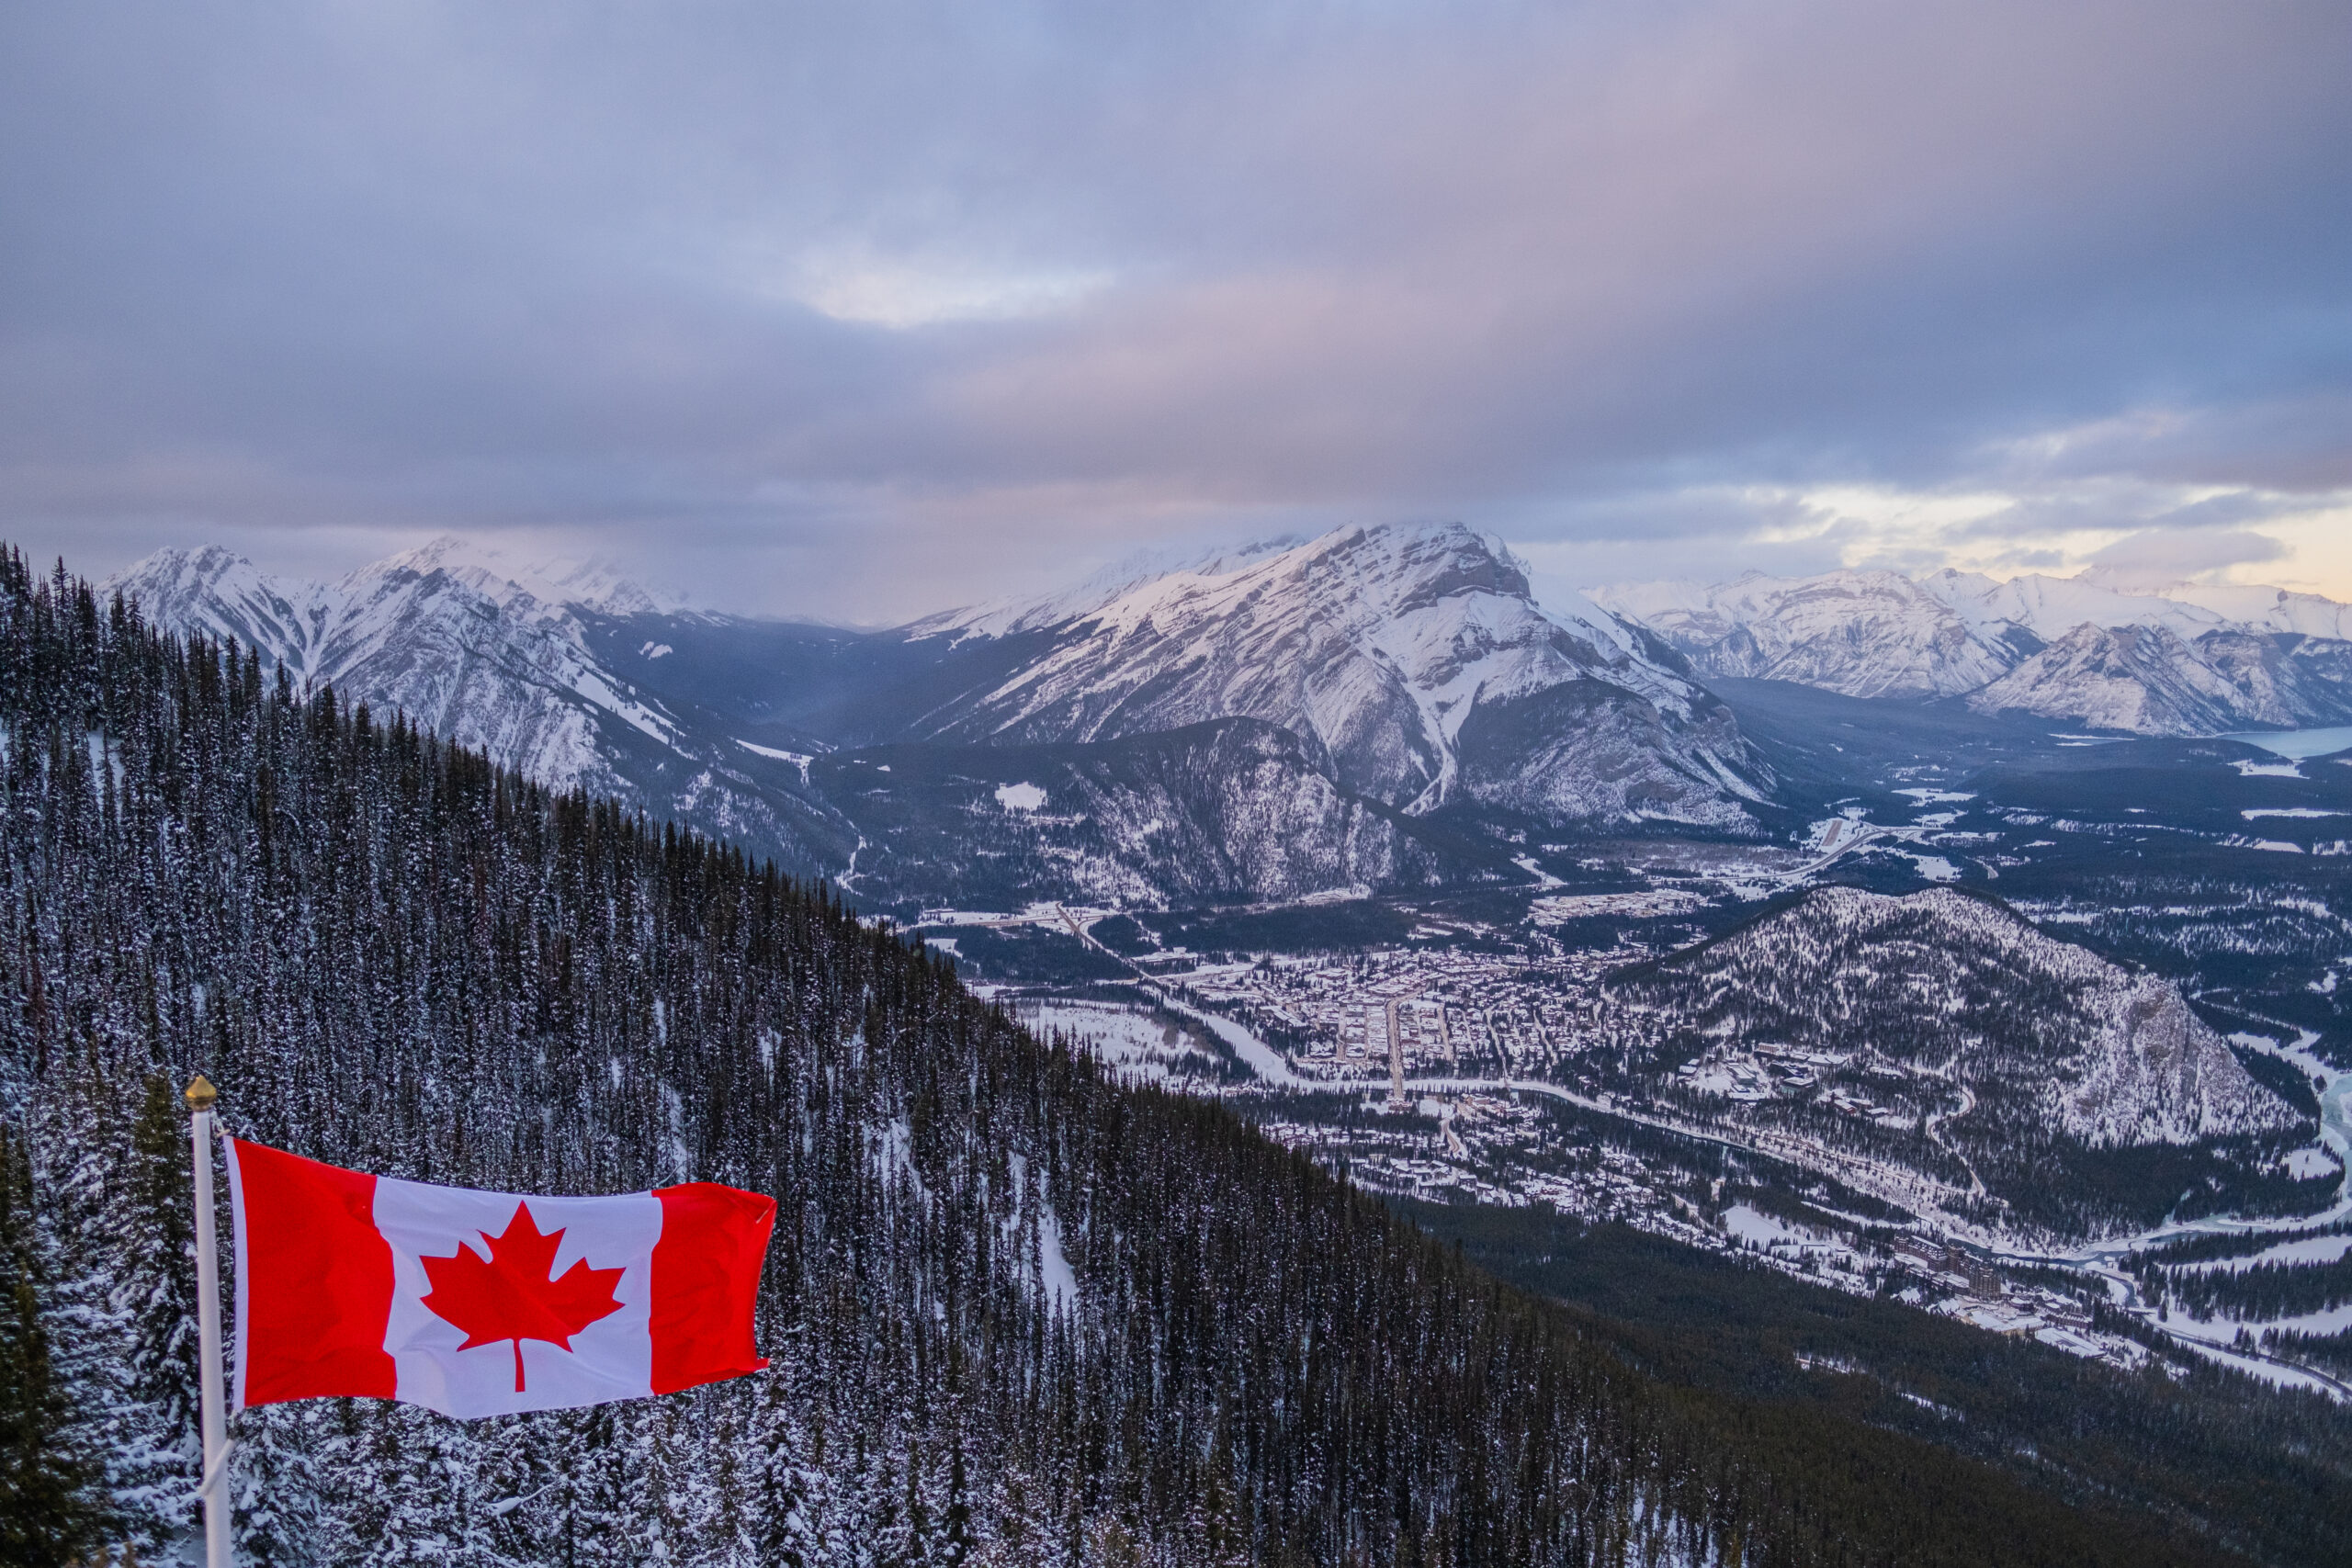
(1302, 1053)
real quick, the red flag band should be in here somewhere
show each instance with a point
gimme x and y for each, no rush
(485, 1303)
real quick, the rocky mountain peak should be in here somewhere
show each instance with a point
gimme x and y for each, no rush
(1413, 661)
(2146, 680)
(2086, 650)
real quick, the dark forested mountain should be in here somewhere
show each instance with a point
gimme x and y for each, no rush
(1018, 1311)
(2024, 1081)
(1232, 810)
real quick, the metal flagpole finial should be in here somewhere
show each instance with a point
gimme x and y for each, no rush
(201, 1094)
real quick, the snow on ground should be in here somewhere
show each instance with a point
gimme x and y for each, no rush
(593, 687)
(1020, 797)
(1778, 1238)
(1061, 1280)
(1122, 1039)
(2305, 1163)
(2298, 811)
(2310, 1250)
(1560, 906)
(1767, 1230)
(2248, 768)
(798, 759)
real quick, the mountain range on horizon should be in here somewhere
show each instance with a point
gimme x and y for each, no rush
(1376, 706)
(2188, 659)
(1864, 991)
(1397, 679)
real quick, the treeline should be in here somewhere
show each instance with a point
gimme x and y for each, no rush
(2218, 1245)
(2260, 1293)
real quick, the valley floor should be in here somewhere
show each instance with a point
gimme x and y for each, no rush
(1456, 1049)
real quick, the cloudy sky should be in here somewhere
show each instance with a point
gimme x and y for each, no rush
(862, 309)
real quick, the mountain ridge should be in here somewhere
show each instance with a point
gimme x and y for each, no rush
(1377, 645)
(2031, 1083)
(1411, 668)
(2196, 660)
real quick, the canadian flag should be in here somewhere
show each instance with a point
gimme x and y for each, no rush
(485, 1303)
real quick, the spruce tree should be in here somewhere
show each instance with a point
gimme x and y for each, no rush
(48, 1515)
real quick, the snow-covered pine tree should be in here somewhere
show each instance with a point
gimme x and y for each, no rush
(49, 1514)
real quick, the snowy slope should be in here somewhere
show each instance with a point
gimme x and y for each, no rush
(1963, 987)
(1413, 662)
(2190, 660)
(598, 584)
(1863, 634)
(2142, 679)
(2272, 609)
(1941, 1034)
(1060, 606)
(482, 661)
(500, 671)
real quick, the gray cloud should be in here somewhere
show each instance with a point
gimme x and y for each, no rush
(2159, 556)
(860, 308)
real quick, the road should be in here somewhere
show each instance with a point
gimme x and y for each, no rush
(2099, 1259)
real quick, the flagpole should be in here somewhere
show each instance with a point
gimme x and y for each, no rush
(214, 1491)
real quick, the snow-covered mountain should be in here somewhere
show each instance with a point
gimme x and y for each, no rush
(479, 660)
(1964, 989)
(1390, 672)
(2143, 680)
(2190, 660)
(597, 584)
(1943, 1033)
(1412, 663)
(482, 661)
(1862, 634)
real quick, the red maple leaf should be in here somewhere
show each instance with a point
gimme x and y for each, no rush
(512, 1296)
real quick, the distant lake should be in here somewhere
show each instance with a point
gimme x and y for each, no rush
(2298, 743)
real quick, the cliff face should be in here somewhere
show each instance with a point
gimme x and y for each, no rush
(1413, 664)
(2193, 661)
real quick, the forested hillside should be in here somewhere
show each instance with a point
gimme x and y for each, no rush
(1017, 1312)
(2043, 1088)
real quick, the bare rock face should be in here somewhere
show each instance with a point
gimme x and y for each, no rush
(2158, 1074)
(2141, 680)
(2075, 650)
(483, 662)
(1214, 812)
(1412, 663)
(2285, 680)
(1862, 634)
